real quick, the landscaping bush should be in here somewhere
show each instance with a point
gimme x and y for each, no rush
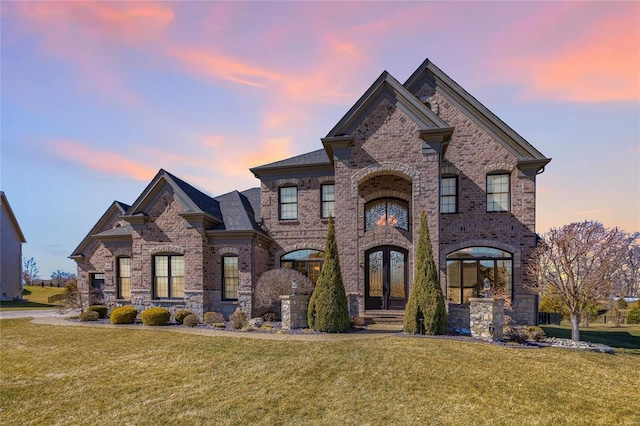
(277, 282)
(180, 315)
(535, 333)
(270, 316)
(622, 304)
(191, 320)
(100, 309)
(89, 316)
(123, 315)
(238, 319)
(426, 300)
(633, 315)
(155, 316)
(515, 334)
(328, 308)
(213, 318)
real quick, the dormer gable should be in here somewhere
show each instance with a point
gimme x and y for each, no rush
(197, 206)
(530, 160)
(115, 211)
(386, 86)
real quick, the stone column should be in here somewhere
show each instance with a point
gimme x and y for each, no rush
(483, 314)
(294, 311)
(245, 302)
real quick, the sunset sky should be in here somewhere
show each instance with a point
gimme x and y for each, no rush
(97, 96)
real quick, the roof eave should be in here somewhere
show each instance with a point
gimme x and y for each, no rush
(260, 172)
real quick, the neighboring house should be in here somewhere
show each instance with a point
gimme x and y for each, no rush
(401, 149)
(11, 240)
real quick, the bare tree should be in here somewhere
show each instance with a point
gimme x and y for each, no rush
(62, 277)
(578, 264)
(629, 275)
(277, 282)
(29, 271)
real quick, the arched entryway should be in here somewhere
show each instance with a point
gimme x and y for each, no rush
(385, 278)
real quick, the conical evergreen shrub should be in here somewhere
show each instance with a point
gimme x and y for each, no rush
(426, 300)
(328, 307)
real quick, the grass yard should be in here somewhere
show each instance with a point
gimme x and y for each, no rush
(35, 297)
(625, 339)
(37, 294)
(84, 375)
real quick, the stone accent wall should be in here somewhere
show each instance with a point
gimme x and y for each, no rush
(484, 313)
(294, 311)
(525, 310)
(458, 318)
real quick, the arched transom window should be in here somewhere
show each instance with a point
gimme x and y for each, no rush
(386, 212)
(476, 271)
(307, 261)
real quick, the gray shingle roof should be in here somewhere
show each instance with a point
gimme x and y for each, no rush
(120, 231)
(237, 212)
(314, 157)
(204, 202)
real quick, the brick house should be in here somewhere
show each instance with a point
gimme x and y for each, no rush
(401, 149)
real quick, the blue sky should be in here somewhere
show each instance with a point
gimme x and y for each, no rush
(97, 96)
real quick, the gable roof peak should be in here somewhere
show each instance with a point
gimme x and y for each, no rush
(12, 217)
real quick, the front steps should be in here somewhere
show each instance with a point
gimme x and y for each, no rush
(384, 317)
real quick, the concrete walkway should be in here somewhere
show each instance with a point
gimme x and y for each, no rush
(373, 331)
(33, 313)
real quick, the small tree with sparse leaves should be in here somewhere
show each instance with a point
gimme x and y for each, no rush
(328, 307)
(426, 300)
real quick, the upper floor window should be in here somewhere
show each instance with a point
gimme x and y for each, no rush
(230, 278)
(498, 193)
(288, 202)
(168, 280)
(328, 196)
(449, 194)
(124, 278)
(386, 212)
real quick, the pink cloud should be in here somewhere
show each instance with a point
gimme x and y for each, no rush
(212, 64)
(111, 163)
(599, 62)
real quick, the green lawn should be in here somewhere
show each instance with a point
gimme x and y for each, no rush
(37, 294)
(35, 297)
(85, 375)
(626, 339)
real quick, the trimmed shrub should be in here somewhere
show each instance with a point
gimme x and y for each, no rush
(89, 316)
(100, 309)
(515, 334)
(155, 316)
(124, 315)
(328, 308)
(277, 282)
(535, 333)
(270, 316)
(213, 318)
(190, 320)
(426, 300)
(238, 319)
(179, 315)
